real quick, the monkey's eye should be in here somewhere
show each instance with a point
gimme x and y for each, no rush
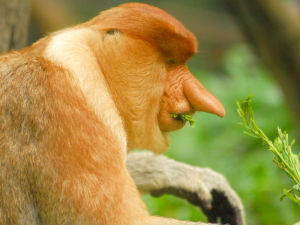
(171, 61)
(113, 31)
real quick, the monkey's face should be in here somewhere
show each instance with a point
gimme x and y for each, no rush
(184, 94)
(147, 87)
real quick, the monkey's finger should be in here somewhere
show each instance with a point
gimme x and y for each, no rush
(206, 198)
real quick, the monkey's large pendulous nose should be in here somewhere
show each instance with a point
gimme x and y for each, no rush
(200, 98)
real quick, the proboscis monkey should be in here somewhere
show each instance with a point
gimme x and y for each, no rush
(73, 104)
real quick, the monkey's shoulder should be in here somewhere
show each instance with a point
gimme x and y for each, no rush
(20, 63)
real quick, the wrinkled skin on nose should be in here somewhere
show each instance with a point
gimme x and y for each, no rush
(183, 93)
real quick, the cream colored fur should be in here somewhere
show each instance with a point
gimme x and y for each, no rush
(74, 50)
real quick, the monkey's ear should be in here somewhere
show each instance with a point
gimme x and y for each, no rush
(113, 31)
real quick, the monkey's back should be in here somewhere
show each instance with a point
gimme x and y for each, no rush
(23, 123)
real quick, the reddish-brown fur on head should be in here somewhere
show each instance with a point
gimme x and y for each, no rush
(153, 25)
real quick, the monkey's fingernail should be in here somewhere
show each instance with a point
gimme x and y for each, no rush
(207, 205)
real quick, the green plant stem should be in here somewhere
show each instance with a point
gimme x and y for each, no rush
(284, 157)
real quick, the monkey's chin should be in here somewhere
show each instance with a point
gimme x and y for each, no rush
(167, 123)
(161, 143)
(152, 139)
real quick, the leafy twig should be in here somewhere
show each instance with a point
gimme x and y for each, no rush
(284, 157)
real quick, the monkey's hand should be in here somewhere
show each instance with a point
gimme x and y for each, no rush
(202, 187)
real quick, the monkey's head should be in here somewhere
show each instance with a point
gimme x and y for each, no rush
(142, 54)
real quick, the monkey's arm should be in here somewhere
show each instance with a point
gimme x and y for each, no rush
(202, 187)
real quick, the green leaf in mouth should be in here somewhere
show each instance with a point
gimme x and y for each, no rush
(184, 117)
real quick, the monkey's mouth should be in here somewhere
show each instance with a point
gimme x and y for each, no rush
(183, 117)
(173, 121)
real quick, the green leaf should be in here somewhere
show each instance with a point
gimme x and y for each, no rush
(184, 117)
(293, 194)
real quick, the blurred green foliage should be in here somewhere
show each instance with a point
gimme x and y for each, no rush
(221, 144)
